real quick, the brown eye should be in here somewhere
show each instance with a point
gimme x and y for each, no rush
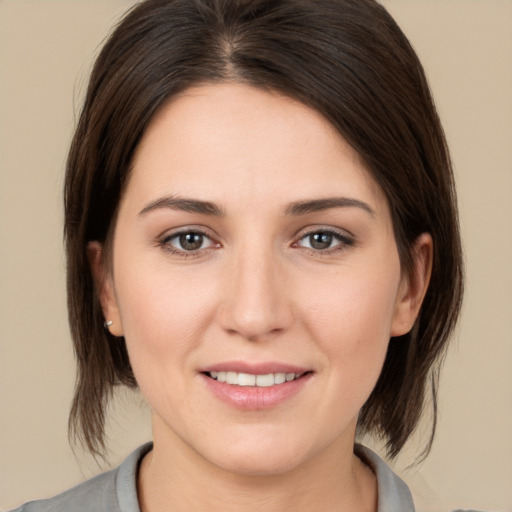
(191, 241)
(324, 240)
(188, 241)
(320, 240)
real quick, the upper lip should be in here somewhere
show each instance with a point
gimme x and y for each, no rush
(262, 368)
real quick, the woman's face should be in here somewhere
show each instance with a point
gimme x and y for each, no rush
(253, 246)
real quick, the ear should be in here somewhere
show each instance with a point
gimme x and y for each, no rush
(104, 287)
(413, 286)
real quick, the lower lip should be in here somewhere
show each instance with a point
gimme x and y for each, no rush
(252, 398)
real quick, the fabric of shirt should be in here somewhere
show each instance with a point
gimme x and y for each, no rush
(116, 490)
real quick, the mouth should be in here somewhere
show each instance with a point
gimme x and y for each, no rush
(255, 386)
(254, 380)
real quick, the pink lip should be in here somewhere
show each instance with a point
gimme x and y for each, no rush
(252, 398)
(263, 368)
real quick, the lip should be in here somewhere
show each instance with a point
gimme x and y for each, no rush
(252, 398)
(254, 368)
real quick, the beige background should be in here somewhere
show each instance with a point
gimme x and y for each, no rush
(46, 48)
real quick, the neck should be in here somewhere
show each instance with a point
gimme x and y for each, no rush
(175, 478)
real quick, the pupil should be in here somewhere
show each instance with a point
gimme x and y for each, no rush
(191, 241)
(320, 240)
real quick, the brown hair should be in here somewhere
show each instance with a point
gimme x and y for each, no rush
(348, 60)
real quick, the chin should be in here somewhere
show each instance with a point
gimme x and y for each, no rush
(257, 464)
(274, 455)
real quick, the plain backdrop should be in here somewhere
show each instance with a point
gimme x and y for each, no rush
(46, 50)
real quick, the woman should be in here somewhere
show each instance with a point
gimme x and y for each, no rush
(262, 236)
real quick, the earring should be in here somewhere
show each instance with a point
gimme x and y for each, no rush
(107, 324)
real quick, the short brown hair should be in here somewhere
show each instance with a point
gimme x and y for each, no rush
(348, 60)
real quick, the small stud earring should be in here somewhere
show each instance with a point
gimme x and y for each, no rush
(107, 324)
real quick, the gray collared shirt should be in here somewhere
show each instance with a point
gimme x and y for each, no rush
(116, 490)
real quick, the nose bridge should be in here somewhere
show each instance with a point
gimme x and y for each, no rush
(257, 303)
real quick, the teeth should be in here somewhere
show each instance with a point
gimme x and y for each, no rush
(231, 378)
(265, 381)
(247, 379)
(279, 378)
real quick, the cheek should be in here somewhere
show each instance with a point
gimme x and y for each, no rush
(351, 319)
(354, 307)
(163, 314)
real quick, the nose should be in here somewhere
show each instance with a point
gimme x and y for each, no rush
(257, 303)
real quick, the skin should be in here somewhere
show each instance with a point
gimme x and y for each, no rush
(258, 289)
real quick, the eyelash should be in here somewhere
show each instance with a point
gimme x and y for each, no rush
(344, 242)
(166, 245)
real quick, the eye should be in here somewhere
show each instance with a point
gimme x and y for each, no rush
(324, 240)
(187, 242)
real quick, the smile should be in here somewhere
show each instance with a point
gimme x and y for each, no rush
(255, 389)
(248, 379)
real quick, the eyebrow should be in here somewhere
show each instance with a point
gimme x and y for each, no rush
(296, 208)
(317, 205)
(185, 205)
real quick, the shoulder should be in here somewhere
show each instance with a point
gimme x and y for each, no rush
(98, 494)
(394, 495)
(113, 491)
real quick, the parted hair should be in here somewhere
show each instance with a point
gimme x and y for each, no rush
(348, 60)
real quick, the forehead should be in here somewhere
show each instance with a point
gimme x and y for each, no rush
(236, 141)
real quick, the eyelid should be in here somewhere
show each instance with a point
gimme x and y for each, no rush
(164, 239)
(343, 236)
(319, 226)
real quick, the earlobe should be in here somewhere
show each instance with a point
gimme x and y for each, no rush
(413, 286)
(104, 288)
